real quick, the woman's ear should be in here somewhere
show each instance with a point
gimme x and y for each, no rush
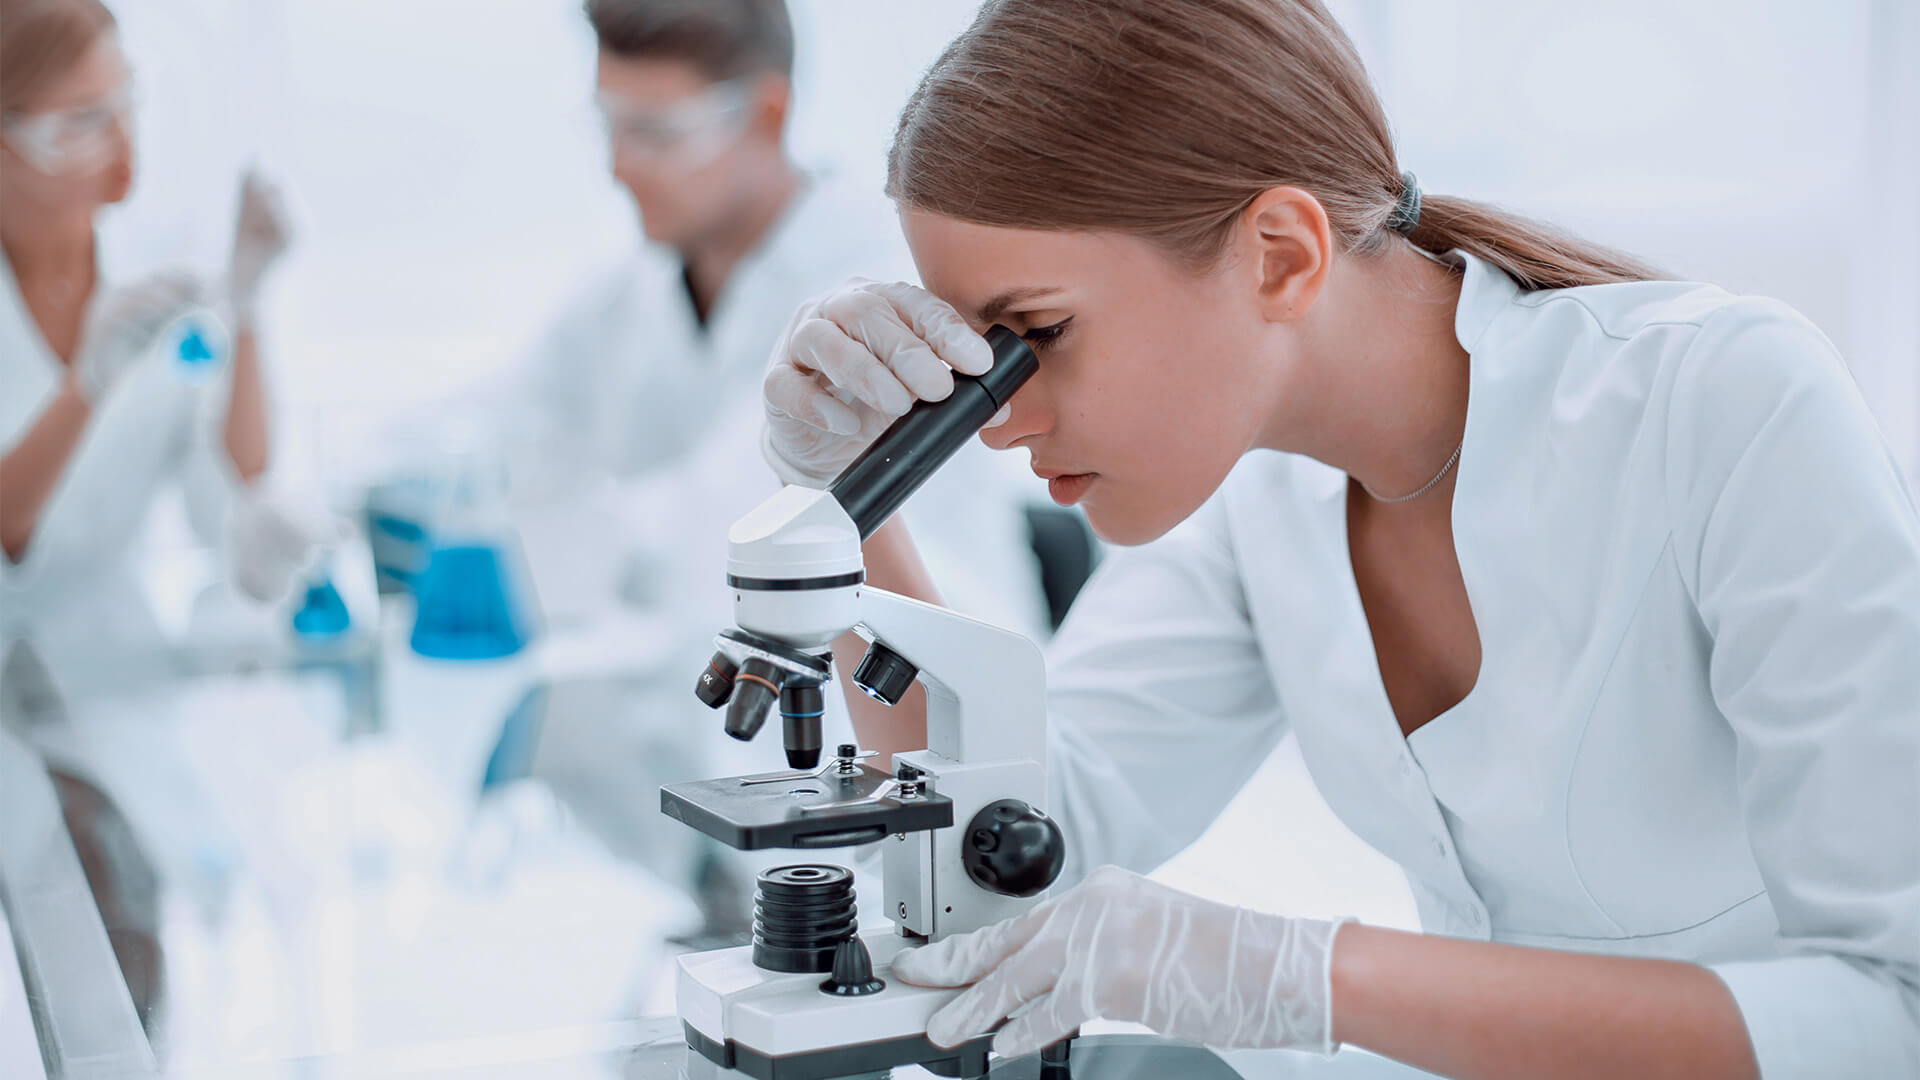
(1286, 241)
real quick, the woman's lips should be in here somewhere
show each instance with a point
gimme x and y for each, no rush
(1070, 489)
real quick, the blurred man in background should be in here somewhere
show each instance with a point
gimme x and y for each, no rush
(649, 381)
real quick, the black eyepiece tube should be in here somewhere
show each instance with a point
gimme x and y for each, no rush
(917, 444)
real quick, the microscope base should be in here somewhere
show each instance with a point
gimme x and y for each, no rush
(968, 1061)
(773, 1025)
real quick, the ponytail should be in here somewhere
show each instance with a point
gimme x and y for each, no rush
(1536, 256)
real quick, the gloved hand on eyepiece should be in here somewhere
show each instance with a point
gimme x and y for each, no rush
(853, 360)
(1120, 947)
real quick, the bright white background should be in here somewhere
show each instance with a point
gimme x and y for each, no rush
(451, 188)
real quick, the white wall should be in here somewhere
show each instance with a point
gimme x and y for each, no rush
(1770, 146)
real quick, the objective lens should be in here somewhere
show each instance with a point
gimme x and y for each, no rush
(884, 675)
(801, 707)
(716, 681)
(755, 688)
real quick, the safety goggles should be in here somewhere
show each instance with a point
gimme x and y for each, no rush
(72, 139)
(694, 128)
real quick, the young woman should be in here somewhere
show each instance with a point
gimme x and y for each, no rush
(1593, 599)
(89, 429)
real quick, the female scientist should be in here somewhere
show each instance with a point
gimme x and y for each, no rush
(92, 418)
(1593, 599)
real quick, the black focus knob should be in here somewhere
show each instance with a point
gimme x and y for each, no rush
(852, 971)
(884, 675)
(1011, 848)
(716, 681)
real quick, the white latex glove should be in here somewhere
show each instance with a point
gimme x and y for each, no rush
(272, 543)
(1120, 947)
(122, 326)
(260, 236)
(852, 361)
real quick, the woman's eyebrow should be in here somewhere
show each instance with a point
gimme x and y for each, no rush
(993, 308)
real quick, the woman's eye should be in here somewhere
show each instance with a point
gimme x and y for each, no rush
(1045, 337)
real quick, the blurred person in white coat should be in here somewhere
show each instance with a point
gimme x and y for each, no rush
(657, 363)
(94, 421)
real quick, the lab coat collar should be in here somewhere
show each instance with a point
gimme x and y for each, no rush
(1484, 293)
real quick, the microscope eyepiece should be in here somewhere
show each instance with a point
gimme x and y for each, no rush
(917, 444)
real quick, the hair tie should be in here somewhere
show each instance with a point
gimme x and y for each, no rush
(1406, 213)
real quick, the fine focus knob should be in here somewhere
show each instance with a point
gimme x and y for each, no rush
(1011, 848)
(852, 971)
(716, 681)
(884, 675)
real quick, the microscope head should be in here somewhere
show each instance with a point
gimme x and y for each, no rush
(795, 568)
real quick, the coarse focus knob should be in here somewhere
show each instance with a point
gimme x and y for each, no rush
(1011, 848)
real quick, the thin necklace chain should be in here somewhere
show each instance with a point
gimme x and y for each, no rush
(1424, 488)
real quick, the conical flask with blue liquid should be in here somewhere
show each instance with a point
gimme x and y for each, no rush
(472, 600)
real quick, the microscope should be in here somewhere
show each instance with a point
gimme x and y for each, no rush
(964, 838)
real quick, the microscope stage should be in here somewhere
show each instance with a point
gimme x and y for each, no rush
(804, 813)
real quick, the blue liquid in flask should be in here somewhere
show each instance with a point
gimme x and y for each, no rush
(323, 613)
(464, 610)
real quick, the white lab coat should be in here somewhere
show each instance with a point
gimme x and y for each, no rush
(1695, 571)
(75, 593)
(628, 387)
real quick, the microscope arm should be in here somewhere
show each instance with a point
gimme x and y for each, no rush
(986, 687)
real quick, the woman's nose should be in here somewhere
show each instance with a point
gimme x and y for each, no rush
(1028, 415)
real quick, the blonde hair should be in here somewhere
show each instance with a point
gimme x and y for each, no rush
(1166, 118)
(41, 40)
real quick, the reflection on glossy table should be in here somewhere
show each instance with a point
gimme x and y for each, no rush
(325, 861)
